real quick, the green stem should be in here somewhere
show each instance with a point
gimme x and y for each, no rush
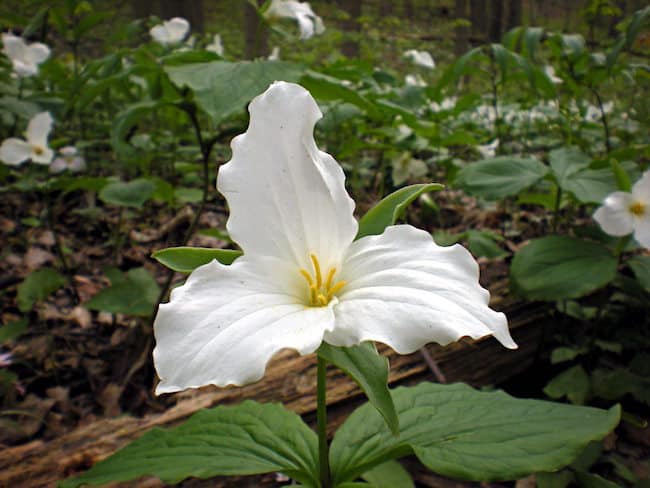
(321, 416)
(556, 210)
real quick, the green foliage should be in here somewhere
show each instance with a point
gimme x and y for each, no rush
(12, 330)
(128, 194)
(390, 474)
(249, 438)
(38, 286)
(134, 292)
(187, 259)
(463, 433)
(369, 370)
(559, 267)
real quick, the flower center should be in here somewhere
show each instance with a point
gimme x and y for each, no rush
(38, 150)
(321, 291)
(637, 209)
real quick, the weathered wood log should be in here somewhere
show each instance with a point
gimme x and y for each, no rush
(290, 379)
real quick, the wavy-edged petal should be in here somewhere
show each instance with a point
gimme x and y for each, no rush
(37, 52)
(642, 230)
(614, 216)
(405, 291)
(43, 156)
(13, 46)
(287, 198)
(641, 189)
(38, 129)
(177, 28)
(15, 151)
(225, 323)
(159, 34)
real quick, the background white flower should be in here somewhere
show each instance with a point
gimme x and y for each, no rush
(414, 80)
(303, 279)
(14, 151)
(24, 57)
(421, 58)
(624, 213)
(488, 150)
(171, 31)
(275, 54)
(550, 72)
(70, 160)
(216, 46)
(308, 22)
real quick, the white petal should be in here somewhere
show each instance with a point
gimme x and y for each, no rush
(160, 34)
(177, 28)
(37, 52)
(641, 189)
(287, 199)
(58, 165)
(405, 291)
(642, 230)
(225, 323)
(77, 164)
(13, 46)
(614, 216)
(44, 156)
(38, 129)
(23, 69)
(14, 151)
(306, 25)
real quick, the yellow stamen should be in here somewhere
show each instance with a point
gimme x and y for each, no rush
(638, 209)
(320, 293)
(38, 150)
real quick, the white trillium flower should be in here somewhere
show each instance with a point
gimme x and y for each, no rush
(14, 151)
(488, 150)
(448, 103)
(624, 213)
(414, 80)
(302, 278)
(550, 72)
(70, 160)
(308, 22)
(421, 58)
(24, 57)
(216, 46)
(275, 54)
(170, 32)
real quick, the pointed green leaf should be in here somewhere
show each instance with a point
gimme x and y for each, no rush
(390, 474)
(390, 208)
(560, 267)
(38, 286)
(135, 293)
(566, 161)
(640, 266)
(127, 194)
(187, 259)
(369, 370)
(463, 433)
(572, 383)
(250, 438)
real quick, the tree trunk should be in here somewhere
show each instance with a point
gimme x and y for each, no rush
(385, 8)
(351, 27)
(460, 13)
(496, 20)
(479, 18)
(515, 14)
(256, 33)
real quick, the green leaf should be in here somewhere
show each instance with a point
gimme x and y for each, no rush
(390, 474)
(591, 480)
(323, 87)
(128, 194)
(500, 177)
(562, 354)
(593, 185)
(566, 161)
(484, 244)
(135, 293)
(188, 195)
(250, 438)
(187, 259)
(390, 208)
(369, 370)
(613, 385)
(559, 267)
(223, 88)
(459, 432)
(640, 266)
(38, 286)
(561, 479)
(12, 330)
(125, 121)
(572, 383)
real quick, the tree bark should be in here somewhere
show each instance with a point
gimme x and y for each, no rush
(462, 31)
(479, 18)
(496, 20)
(515, 14)
(256, 33)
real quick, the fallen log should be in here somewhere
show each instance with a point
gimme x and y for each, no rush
(290, 379)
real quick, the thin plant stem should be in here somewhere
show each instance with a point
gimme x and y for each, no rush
(603, 117)
(58, 246)
(556, 210)
(321, 418)
(495, 102)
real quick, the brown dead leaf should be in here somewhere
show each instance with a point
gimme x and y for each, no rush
(7, 225)
(81, 316)
(28, 419)
(46, 238)
(37, 257)
(109, 399)
(527, 482)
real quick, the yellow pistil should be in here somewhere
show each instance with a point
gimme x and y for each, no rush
(321, 293)
(38, 150)
(638, 209)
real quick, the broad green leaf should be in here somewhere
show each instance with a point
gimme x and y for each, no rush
(38, 286)
(593, 185)
(483, 244)
(12, 330)
(559, 267)
(390, 474)
(562, 354)
(188, 195)
(500, 177)
(249, 438)
(135, 293)
(369, 370)
(128, 194)
(223, 88)
(323, 87)
(591, 480)
(613, 385)
(640, 266)
(463, 433)
(390, 208)
(561, 479)
(187, 259)
(572, 383)
(124, 122)
(566, 161)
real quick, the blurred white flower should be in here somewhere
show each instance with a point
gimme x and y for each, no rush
(550, 72)
(414, 80)
(308, 22)
(624, 213)
(14, 151)
(275, 54)
(24, 57)
(594, 114)
(447, 103)
(170, 32)
(488, 150)
(421, 58)
(216, 46)
(69, 160)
